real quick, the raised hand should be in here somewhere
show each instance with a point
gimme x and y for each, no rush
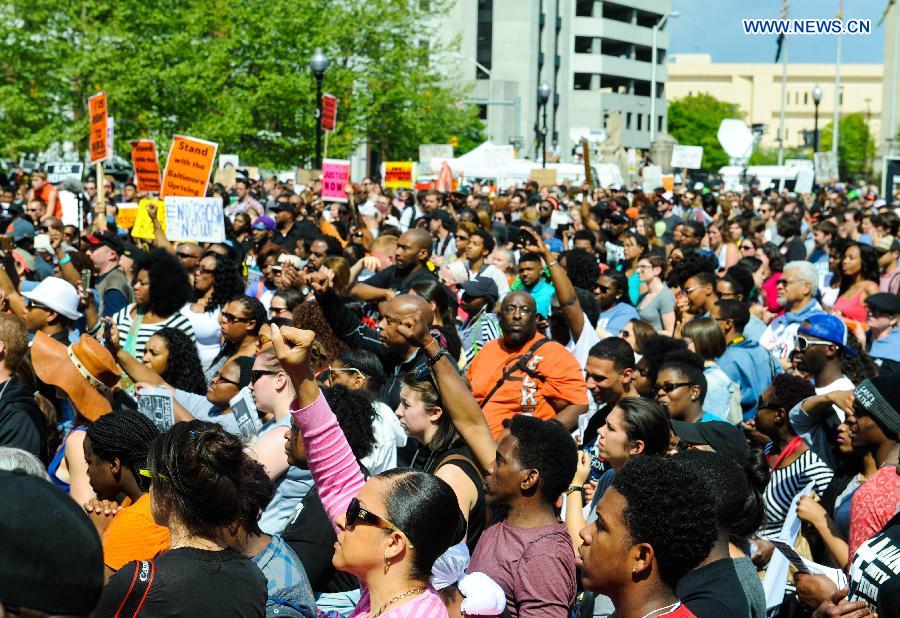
(292, 346)
(534, 243)
(321, 281)
(415, 330)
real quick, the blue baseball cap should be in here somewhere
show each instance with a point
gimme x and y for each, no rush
(826, 327)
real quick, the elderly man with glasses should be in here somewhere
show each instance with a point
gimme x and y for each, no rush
(797, 295)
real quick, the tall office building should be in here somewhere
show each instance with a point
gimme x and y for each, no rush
(595, 55)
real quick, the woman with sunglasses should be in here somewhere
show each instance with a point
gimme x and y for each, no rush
(612, 295)
(748, 247)
(216, 280)
(115, 449)
(392, 528)
(199, 474)
(681, 387)
(240, 319)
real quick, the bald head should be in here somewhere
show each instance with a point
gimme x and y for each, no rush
(394, 312)
(404, 305)
(413, 249)
(518, 319)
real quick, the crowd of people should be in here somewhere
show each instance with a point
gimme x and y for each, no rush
(541, 401)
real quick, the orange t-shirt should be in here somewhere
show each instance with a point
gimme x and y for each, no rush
(133, 535)
(44, 193)
(557, 376)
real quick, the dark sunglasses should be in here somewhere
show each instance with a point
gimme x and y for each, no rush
(231, 318)
(762, 404)
(188, 256)
(256, 374)
(669, 387)
(220, 379)
(603, 288)
(356, 514)
(204, 271)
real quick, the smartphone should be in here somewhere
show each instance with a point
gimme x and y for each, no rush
(107, 330)
(86, 279)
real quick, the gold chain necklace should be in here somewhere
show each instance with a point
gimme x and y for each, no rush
(396, 598)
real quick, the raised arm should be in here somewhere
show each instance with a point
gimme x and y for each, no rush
(136, 370)
(565, 291)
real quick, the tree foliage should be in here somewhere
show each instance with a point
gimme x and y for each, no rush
(856, 146)
(694, 121)
(235, 72)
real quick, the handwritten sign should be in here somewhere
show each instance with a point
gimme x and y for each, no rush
(126, 215)
(329, 112)
(306, 177)
(335, 176)
(195, 218)
(143, 226)
(226, 176)
(545, 177)
(398, 174)
(146, 165)
(99, 142)
(187, 167)
(60, 171)
(689, 157)
(243, 407)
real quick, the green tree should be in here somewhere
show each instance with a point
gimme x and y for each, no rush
(856, 146)
(234, 72)
(694, 121)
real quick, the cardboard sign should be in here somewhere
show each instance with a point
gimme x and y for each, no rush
(143, 226)
(60, 171)
(335, 176)
(306, 177)
(689, 157)
(804, 183)
(156, 404)
(126, 215)
(399, 174)
(586, 155)
(652, 178)
(195, 218)
(826, 167)
(226, 177)
(609, 175)
(544, 176)
(99, 139)
(146, 165)
(329, 112)
(187, 167)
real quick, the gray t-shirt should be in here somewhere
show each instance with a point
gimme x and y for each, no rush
(653, 309)
(750, 582)
(200, 408)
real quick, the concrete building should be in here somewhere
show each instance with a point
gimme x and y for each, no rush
(889, 144)
(756, 90)
(595, 55)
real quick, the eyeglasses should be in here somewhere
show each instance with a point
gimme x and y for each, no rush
(36, 305)
(230, 318)
(279, 309)
(325, 374)
(603, 288)
(785, 282)
(725, 295)
(458, 237)
(356, 514)
(513, 309)
(256, 374)
(669, 387)
(802, 343)
(220, 379)
(762, 404)
(204, 271)
(748, 247)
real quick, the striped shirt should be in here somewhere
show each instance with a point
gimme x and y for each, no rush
(787, 483)
(123, 322)
(477, 333)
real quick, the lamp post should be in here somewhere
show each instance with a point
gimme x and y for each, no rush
(817, 98)
(656, 29)
(318, 63)
(543, 96)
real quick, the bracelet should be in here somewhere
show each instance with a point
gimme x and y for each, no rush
(574, 488)
(553, 263)
(65, 260)
(432, 361)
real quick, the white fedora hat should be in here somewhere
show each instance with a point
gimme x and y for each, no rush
(58, 295)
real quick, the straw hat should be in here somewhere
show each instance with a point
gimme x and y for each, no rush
(84, 370)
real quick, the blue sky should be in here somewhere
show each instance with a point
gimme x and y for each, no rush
(714, 27)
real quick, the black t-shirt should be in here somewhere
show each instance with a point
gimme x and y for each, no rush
(400, 281)
(193, 582)
(875, 564)
(714, 591)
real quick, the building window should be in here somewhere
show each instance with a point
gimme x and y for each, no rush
(484, 37)
(582, 81)
(806, 98)
(482, 112)
(640, 119)
(628, 120)
(641, 88)
(617, 12)
(659, 124)
(584, 44)
(584, 8)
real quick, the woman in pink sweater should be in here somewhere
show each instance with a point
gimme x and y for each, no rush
(390, 529)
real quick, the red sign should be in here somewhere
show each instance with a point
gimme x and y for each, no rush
(329, 112)
(146, 165)
(99, 143)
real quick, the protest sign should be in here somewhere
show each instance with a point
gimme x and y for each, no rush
(804, 183)
(687, 157)
(306, 177)
(826, 167)
(398, 174)
(156, 404)
(244, 409)
(545, 177)
(651, 177)
(187, 167)
(329, 112)
(668, 182)
(126, 215)
(335, 176)
(609, 175)
(226, 177)
(143, 226)
(99, 139)
(228, 160)
(146, 165)
(252, 172)
(60, 171)
(434, 152)
(195, 218)
(110, 142)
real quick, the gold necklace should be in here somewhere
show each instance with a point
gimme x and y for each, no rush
(396, 598)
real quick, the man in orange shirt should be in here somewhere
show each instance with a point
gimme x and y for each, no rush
(525, 373)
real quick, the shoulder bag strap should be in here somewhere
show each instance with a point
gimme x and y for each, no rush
(463, 458)
(144, 572)
(521, 363)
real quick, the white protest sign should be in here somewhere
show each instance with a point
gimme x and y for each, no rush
(60, 171)
(777, 569)
(652, 178)
(195, 218)
(689, 157)
(804, 184)
(609, 174)
(826, 167)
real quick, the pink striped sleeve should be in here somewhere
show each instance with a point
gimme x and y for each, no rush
(334, 469)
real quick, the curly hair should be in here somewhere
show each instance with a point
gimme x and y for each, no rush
(790, 389)
(547, 447)
(692, 265)
(125, 435)
(690, 365)
(776, 260)
(257, 493)
(355, 415)
(183, 368)
(582, 269)
(227, 282)
(170, 287)
(655, 348)
(309, 316)
(670, 508)
(860, 367)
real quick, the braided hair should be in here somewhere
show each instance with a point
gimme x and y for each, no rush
(183, 368)
(125, 435)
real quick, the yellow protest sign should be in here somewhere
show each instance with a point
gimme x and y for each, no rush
(125, 215)
(399, 174)
(143, 226)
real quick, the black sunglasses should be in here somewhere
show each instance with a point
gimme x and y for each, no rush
(231, 318)
(603, 288)
(356, 514)
(187, 256)
(669, 387)
(256, 374)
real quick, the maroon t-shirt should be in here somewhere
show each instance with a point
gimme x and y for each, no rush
(535, 567)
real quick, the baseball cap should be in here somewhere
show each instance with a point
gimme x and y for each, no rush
(481, 287)
(618, 218)
(24, 258)
(22, 229)
(131, 250)
(264, 223)
(284, 207)
(724, 438)
(56, 294)
(880, 397)
(42, 243)
(888, 243)
(35, 571)
(105, 239)
(884, 302)
(826, 327)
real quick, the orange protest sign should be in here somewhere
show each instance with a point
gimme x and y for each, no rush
(146, 165)
(99, 144)
(187, 167)
(668, 182)
(125, 215)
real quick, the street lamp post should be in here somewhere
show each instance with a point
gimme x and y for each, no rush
(817, 98)
(656, 29)
(543, 97)
(318, 63)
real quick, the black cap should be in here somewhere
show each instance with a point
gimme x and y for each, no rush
(105, 239)
(884, 302)
(618, 218)
(284, 207)
(481, 287)
(51, 559)
(724, 438)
